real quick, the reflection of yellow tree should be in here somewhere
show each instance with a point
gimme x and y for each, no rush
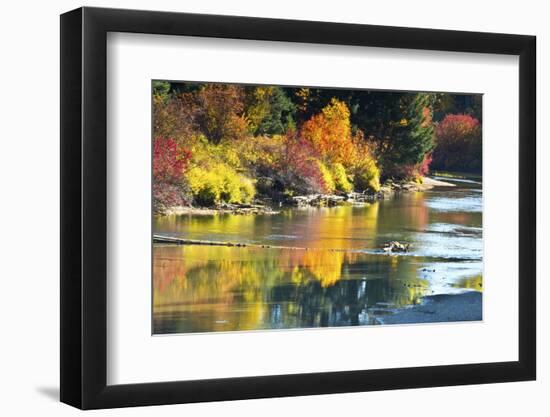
(325, 266)
(235, 285)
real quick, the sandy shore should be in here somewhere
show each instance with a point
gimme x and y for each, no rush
(440, 308)
(428, 183)
(205, 211)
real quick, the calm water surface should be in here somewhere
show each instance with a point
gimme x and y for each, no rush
(215, 288)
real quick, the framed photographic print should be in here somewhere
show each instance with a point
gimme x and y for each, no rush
(256, 208)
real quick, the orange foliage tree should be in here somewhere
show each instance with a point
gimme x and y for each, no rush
(330, 132)
(221, 108)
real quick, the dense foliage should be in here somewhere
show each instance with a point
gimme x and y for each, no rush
(216, 143)
(458, 144)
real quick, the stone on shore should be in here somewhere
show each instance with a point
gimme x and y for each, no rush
(318, 200)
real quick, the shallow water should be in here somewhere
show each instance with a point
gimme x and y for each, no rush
(336, 275)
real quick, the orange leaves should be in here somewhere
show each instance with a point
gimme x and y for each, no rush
(330, 132)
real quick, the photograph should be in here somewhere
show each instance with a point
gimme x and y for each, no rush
(296, 207)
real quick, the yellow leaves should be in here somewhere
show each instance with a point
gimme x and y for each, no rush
(303, 96)
(367, 176)
(363, 167)
(260, 150)
(219, 183)
(325, 266)
(340, 177)
(326, 176)
(403, 122)
(259, 108)
(338, 112)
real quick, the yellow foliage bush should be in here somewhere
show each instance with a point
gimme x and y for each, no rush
(206, 186)
(219, 183)
(260, 150)
(366, 173)
(341, 181)
(247, 189)
(367, 176)
(328, 182)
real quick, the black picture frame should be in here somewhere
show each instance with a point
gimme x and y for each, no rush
(84, 207)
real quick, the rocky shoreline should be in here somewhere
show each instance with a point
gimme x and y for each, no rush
(389, 189)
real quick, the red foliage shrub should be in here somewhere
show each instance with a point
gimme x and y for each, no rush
(411, 172)
(169, 164)
(300, 167)
(169, 161)
(458, 144)
(423, 167)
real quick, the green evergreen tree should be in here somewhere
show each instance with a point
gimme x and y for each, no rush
(269, 110)
(413, 136)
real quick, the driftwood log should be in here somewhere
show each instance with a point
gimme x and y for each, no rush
(392, 246)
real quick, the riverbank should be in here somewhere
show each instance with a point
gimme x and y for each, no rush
(466, 306)
(241, 209)
(312, 200)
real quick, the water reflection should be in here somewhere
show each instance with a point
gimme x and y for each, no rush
(213, 288)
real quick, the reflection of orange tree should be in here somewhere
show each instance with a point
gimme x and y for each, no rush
(246, 286)
(202, 272)
(234, 268)
(323, 265)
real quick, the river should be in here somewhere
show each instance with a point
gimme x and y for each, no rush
(342, 279)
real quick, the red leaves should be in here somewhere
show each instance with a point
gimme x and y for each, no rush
(302, 166)
(459, 146)
(169, 163)
(169, 160)
(456, 126)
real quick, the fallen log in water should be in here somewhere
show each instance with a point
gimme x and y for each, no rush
(181, 241)
(388, 247)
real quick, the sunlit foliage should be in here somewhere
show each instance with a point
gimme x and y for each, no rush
(230, 143)
(341, 180)
(219, 183)
(330, 132)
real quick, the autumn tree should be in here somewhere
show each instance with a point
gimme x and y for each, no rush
(220, 112)
(330, 132)
(459, 146)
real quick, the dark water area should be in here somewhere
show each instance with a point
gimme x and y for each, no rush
(342, 279)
